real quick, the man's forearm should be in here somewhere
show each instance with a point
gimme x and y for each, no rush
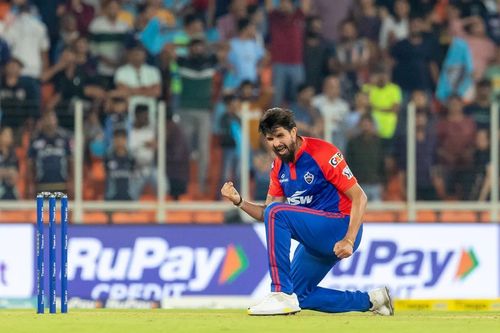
(254, 210)
(357, 211)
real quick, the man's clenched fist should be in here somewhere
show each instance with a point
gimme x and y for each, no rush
(229, 192)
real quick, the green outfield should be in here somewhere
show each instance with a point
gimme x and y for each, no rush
(208, 321)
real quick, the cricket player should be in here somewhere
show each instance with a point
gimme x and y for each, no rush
(315, 199)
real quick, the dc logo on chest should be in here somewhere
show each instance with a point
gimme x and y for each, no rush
(309, 178)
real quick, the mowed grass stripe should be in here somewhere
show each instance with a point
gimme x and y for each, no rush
(208, 321)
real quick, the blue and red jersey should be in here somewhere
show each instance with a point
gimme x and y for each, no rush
(317, 179)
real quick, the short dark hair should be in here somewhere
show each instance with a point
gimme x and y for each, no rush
(141, 108)
(243, 24)
(274, 118)
(120, 132)
(303, 86)
(191, 18)
(484, 83)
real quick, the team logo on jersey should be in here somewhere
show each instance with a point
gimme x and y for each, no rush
(283, 178)
(336, 159)
(347, 172)
(309, 177)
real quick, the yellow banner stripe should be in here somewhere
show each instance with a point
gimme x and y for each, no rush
(448, 304)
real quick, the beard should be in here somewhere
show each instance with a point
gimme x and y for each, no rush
(286, 153)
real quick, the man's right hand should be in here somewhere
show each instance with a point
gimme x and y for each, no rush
(229, 192)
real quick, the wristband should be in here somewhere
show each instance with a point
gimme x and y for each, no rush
(239, 203)
(349, 241)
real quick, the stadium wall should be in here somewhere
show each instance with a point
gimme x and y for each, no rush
(226, 266)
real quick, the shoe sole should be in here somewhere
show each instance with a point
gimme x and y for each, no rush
(292, 312)
(391, 305)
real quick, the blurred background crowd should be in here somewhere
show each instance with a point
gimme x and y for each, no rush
(352, 64)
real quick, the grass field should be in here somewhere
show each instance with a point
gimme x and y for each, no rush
(208, 321)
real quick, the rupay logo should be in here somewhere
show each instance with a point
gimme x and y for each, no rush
(151, 269)
(407, 263)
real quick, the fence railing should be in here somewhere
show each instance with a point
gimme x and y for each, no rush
(162, 207)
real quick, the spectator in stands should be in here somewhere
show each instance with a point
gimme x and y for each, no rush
(120, 169)
(193, 28)
(177, 158)
(480, 108)
(197, 72)
(9, 165)
(480, 187)
(74, 78)
(366, 158)
(227, 25)
(116, 108)
(493, 74)
(307, 117)
(481, 46)
(456, 135)
(395, 28)
(107, 36)
(29, 42)
(68, 34)
(286, 31)
(334, 111)
(79, 9)
(50, 161)
(385, 101)
(245, 53)
(139, 81)
(316, 53)
(456, 76)
(254, 99)
(351, 59)
(230, 139)
(94, 136)
(430, 184)
(368, 22)
(415, 60)
(332, 13)
(361, 108)
(16, 97)
(143, 146)
(165, 16)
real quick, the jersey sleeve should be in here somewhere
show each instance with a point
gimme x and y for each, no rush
(275, 188)
(335, 168)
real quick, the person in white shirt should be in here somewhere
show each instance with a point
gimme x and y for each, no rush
(140, 81)
(395, 29)
(334, 111)
(107, 36)
(28, 41)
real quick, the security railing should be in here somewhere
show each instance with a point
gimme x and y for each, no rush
(162, 207)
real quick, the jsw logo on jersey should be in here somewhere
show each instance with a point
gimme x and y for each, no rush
(150, 269)
(298, 199)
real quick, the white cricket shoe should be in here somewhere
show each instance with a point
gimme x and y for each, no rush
(276, 303)
(382, 302)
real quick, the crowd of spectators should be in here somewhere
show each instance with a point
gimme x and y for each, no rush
(349, 67)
